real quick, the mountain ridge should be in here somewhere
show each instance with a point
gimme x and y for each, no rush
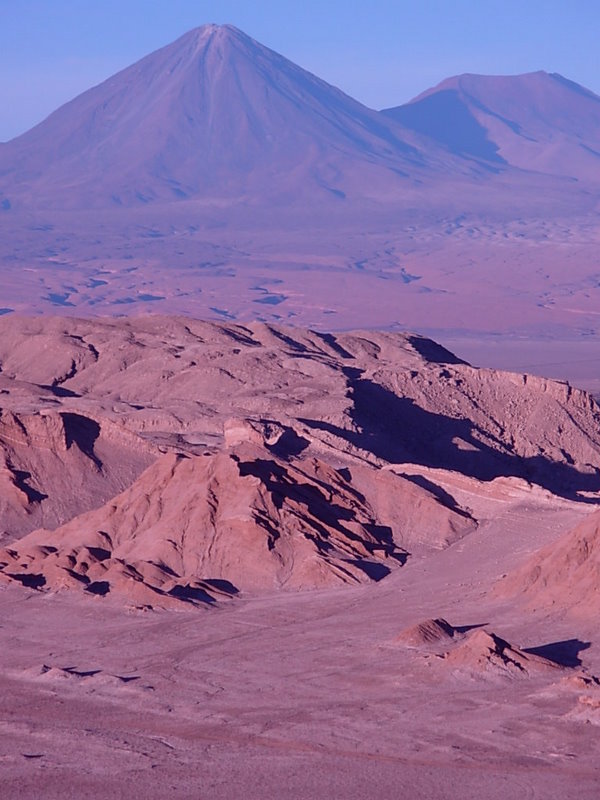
(218, 117)
(214, 169)
(536, 121)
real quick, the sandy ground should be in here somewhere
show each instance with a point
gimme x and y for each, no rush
(298, 695)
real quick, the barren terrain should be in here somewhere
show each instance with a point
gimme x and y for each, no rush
(274, 561)
(297, 551)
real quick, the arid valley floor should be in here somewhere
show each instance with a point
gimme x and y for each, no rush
(377, 578)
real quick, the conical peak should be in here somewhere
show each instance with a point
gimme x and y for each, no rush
(213, 28)
(212, 33)
(220, 113)
(212, 41)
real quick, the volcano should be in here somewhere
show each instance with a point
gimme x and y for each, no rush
(539, 121)
(216, 179)
(214, 114)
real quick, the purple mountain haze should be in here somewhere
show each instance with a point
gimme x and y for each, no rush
(213, 115)
(537, 121)
(215, 178)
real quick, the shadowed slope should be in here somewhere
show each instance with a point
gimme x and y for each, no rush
(394, 427)
(441, 423)
(55, 465)
(242, 517)
(380, 397)
(259, 515)
(537, 121)
(485, 653)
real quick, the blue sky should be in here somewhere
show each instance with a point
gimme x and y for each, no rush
(381, 52)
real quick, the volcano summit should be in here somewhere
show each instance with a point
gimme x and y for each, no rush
(217, 179)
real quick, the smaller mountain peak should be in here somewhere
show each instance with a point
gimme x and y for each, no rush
(573, 86)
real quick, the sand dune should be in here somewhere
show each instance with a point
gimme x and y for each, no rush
(563, 575)
(483, 652)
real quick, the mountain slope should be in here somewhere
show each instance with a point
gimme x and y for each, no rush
(242, 518)
(385, 398)
(288, 458)
(55, 465)
(214, 114)
(563, 575)
(537, 121)
(216, 179)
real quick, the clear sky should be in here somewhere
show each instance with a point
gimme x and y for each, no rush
(381, 52)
